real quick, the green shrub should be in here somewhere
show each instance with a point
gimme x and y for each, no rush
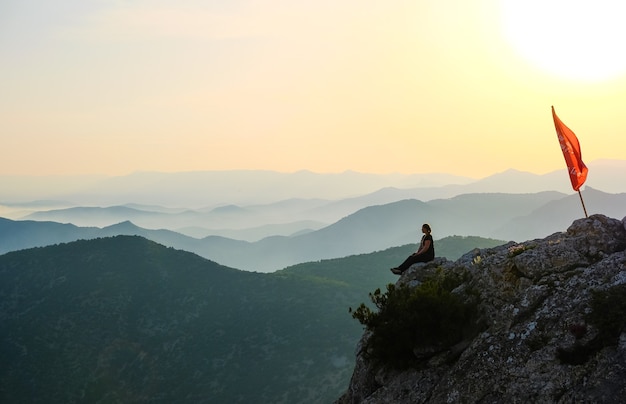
(426, 318)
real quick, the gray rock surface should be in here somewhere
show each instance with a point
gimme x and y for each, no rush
(534, 300)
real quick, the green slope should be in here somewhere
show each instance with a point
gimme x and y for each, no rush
(124, 319)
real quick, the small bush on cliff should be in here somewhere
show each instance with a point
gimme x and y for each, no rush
(426, 319)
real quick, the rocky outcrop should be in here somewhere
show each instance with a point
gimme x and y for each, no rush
(537, 343)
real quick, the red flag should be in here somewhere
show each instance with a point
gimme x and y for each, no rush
(571, 151)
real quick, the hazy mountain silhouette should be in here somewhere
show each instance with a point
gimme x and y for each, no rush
(270, 215)
(246, 223)
(292, 215)
(210, 188)
(557, 214)
(96, 216)
(18, 235)
(496, 216)
(255, 233)
(196, 190)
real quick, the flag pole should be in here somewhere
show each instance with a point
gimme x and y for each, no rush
(583, 202)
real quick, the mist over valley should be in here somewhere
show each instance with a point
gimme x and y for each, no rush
(297, 227)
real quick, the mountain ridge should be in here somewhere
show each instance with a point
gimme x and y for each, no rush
(214, 188)
(497, 216)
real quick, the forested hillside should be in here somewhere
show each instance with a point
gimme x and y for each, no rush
(126, 319)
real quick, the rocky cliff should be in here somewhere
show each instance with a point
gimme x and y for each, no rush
(553, 315)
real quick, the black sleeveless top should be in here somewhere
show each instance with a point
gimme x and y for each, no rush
(430, 253)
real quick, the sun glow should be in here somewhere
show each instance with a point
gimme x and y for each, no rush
(573, 39)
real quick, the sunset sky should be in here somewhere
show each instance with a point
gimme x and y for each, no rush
(463, 87)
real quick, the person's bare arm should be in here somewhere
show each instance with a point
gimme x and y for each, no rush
(423, 248)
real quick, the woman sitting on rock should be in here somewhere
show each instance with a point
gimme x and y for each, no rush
(425, 253)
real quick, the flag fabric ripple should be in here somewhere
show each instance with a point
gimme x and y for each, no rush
(571, 151)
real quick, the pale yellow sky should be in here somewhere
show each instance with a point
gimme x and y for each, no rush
(456, 86)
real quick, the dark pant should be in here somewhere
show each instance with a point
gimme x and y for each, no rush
(413, 259)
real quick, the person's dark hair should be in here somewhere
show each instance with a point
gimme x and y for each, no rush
(427, 227)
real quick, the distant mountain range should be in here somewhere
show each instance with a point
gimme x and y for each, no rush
(493, 216)
(210, 189)
(249, 223)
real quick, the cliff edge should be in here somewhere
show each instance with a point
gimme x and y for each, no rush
(552, 314)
